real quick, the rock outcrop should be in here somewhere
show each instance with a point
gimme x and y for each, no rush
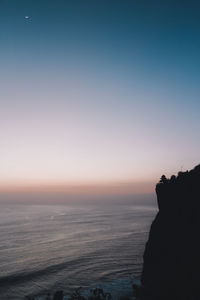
(171, 269)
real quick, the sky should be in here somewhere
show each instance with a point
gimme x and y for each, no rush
(98, 93)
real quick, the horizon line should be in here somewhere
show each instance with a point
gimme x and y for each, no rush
(100, 187)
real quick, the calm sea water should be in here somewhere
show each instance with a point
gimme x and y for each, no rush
(49, 247)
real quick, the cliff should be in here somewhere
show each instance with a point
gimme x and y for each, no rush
(171, 269)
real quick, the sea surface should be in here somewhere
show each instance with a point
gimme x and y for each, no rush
(44, 248)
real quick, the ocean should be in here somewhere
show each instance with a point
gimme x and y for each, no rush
(44, 248)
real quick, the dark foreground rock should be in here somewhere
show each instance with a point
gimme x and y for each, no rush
(58, 295)
(171, 269)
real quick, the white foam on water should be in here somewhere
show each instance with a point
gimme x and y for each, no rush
(119, 288)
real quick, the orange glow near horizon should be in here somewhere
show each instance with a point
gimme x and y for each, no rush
(109, 188)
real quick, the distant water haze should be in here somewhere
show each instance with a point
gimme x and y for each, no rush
(72, 193)
(81, 188)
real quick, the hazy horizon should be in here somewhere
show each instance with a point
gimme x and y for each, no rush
(121, 192)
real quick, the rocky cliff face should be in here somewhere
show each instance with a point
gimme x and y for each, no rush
(171, 269)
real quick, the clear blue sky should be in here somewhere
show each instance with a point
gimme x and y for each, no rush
(98, 91)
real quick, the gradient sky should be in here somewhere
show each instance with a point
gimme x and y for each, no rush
(98, 91)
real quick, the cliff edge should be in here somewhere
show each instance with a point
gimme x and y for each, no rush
(171, 269)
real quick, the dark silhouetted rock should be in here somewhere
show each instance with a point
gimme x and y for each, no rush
(48, 297)
(58, 295)
(171, 269)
